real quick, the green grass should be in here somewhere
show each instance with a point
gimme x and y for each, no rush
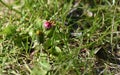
(27, 48)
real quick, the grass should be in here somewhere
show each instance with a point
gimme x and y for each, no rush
(27, 48)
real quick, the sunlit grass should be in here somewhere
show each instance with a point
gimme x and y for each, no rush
(27, 47)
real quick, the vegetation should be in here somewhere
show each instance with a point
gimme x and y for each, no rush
(59, 37)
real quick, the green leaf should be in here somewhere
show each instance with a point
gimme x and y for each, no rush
(50, 32)
(58, 50)
(9, 30)
(55, 51)
(39, 24)
(47, 43)
(42, 67)
(40, 36)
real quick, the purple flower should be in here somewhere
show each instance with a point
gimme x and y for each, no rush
(47, 25)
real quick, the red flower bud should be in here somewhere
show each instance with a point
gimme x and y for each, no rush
(47, 25)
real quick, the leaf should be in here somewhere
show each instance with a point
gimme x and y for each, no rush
(37, 70)
(45, 65)
(58, 50)
(50, 32)
(40, 36)
(55, 51)
(39, 24)
(9, 30)
(47, 43)
(42, 67)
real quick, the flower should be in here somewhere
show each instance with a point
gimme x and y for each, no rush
(47, 25)
(40, 36)
(39, 32)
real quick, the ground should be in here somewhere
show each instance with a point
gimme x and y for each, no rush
(53, 37)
